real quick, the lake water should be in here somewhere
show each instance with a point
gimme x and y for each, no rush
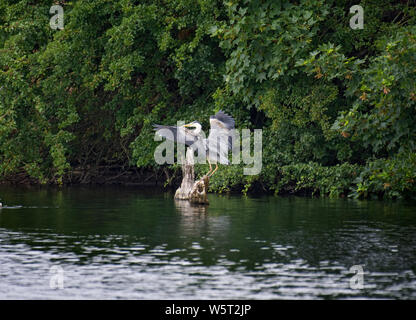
(129, 243)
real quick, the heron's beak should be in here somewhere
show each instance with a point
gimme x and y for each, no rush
(188, 125)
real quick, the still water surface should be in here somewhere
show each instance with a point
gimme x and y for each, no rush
(130, 243)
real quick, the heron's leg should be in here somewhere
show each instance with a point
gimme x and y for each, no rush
(216, 167)
(210, 167)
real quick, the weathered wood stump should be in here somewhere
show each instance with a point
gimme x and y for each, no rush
(194, 191)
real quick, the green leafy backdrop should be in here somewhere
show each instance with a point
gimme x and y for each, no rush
(336, 105)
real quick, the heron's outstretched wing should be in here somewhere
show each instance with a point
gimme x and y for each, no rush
(222, 120)
(219, 141)
(176, 134)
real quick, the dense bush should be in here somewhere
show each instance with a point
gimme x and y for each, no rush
(336, 105)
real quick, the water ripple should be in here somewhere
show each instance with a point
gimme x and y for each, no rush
(138, 272)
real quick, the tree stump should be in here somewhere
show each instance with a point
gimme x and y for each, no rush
(194, 191)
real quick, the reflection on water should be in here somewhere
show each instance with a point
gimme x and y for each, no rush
(188, 209)
(135, 244)
(194, 221)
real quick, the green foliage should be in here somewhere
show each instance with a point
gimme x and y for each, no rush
(383, 103)
(336, 105)
(383, 116)
(389, 178)
(263, 40)
(312, 177)
(93, 89)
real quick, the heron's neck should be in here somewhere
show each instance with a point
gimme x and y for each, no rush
(198, 128)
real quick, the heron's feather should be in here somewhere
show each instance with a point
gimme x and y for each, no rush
(223, 125)
(177, 134)
(218, 144)
(223, 120)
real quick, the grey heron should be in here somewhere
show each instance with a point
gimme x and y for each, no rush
(216, 146)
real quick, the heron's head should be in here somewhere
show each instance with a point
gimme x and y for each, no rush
(194, 124)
